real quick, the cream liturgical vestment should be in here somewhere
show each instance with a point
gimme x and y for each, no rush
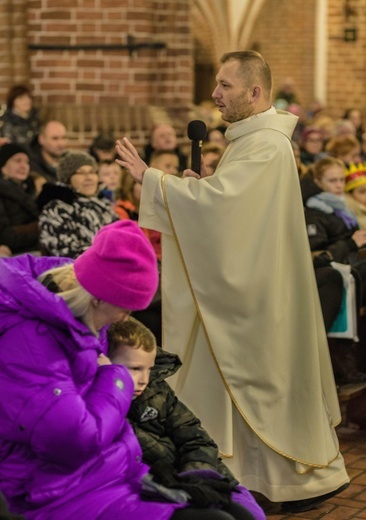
(241, 309)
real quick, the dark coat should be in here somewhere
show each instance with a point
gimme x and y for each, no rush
(166, 429)
(38, 163)
(18, 216)
(329, 232)
(18, 129)
(326, 231)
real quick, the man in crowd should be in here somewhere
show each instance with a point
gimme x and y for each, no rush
(48, 149)
(240, 302)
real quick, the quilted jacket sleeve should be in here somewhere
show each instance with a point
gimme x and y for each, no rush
(47, 408)
(196, 449)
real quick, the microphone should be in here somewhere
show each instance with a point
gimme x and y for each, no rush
(196, 131)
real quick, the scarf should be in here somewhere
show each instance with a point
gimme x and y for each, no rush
(329, 203)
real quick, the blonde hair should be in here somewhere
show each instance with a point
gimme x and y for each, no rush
(341, 145)
(130, 333)
(62, 280)
(253, 68)
(320, 167)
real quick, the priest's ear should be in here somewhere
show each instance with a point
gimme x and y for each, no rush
(255, 93)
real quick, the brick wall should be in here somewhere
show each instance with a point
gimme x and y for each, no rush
(347, 60)
(284, 34)
(106, 76)
(91, 66)
(14, 64)
(163, 79)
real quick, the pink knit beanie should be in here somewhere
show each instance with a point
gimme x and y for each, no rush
(119, 267)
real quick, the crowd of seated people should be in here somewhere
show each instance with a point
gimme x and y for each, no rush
(53, 201)
(329, 154)
(163, 137)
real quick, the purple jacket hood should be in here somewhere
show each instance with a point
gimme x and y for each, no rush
(23, 297)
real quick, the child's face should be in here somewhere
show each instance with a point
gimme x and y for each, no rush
(168, 163)
(359, 194)
(138, 363)
(332, 180)
(110, 175)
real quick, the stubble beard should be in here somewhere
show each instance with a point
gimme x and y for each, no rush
(241, 110)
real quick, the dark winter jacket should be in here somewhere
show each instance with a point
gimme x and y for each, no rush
(18, 129)
(38, 163)
(167, 429)
(68, 221)
(326, 231)
(18, 216)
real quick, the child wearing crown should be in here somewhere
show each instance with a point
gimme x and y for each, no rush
(355, 188)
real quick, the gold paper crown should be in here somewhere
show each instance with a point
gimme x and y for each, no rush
(355, 176)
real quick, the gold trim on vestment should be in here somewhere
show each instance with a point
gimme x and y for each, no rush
(305, 463)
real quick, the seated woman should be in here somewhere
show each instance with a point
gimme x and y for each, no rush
(333, 228)
(20, 122)
(18, 209)
(311, 145)
(67, 450)
(331, 225)
(72, 211)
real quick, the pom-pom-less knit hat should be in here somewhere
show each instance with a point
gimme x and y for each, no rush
(8, 150)
(120, 266)
(71, 162)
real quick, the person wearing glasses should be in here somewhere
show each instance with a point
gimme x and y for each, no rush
(73, 209)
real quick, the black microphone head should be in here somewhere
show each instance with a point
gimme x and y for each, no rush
(196, 130)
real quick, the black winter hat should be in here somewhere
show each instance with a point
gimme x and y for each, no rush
(8, 150)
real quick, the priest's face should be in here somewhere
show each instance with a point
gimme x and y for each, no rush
(232, 97)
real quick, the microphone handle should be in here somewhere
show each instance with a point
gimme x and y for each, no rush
(196, 156)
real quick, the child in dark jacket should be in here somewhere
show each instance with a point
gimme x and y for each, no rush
(171, 436)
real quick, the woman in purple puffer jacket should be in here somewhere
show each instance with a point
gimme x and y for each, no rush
(63, 452)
